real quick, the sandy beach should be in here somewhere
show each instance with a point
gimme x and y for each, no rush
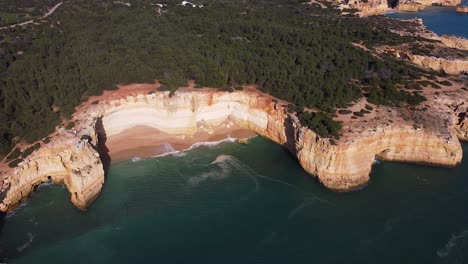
(146, 142)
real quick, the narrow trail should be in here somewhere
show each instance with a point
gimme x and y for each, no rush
(50, 12)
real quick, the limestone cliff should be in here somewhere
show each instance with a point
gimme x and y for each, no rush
(453, 42)
(462, 9)
(78, 166)
(378, 7)
(411, 7)
(418, 5)
(431, 2)
(450, 66)
(342, 165)
(368, 7)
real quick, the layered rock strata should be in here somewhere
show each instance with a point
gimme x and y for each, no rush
(378, 7)
(392, 134)
(453, 41)
(72, 162)
(449, 66)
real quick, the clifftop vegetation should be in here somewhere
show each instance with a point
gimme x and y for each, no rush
(298, 52)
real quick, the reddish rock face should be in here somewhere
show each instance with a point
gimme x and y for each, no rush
(342, 165)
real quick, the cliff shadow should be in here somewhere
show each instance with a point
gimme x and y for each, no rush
(393, 3)
(102, 147)
(290, 132)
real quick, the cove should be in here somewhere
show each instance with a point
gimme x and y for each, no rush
(246, 203)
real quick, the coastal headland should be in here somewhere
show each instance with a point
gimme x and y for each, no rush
(378, 7)
(148, 120)
(140, 119)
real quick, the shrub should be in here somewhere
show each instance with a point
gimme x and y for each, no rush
(164, 88)
(344, 112)
(321, 123)
(14, 154)
(15, 163)
(358, 114)
(226, 88)
(446, 83)
(70, 125)
(30, 150)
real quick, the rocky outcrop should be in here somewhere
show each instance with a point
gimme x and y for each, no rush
(368, 7)
(453, 42)
(462, 9)
(340, 165)
(78, 166)
(449, 66)
(460, 122)
(378, 7)
(425, 3)
(411, 7)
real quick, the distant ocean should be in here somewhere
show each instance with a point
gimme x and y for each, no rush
(441, 20)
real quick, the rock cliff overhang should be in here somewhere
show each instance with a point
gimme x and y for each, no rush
(342, 165)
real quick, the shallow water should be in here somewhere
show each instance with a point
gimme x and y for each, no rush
(441, 20)
(235, 203)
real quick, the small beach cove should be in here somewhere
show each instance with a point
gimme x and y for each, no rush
(147, 142)
(246, 203)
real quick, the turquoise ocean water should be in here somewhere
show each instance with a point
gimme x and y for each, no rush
(235, 203)
(441, 20)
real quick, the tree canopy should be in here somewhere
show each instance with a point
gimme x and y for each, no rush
(298, 52)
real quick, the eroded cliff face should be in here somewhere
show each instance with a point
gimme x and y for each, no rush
(78, 166)
(453, 42)
(449, 66)
(417, 5)
(368, 7)
(431, 2)
(378, 7)
(340, 165)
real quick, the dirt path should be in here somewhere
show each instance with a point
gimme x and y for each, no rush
(50, 12)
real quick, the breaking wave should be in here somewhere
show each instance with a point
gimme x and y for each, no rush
(170, 151)
(136, 159)
(211, 143)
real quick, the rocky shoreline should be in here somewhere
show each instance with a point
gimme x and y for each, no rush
(379, 7)
(76, 158)
(462, 9)
(428, 134)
